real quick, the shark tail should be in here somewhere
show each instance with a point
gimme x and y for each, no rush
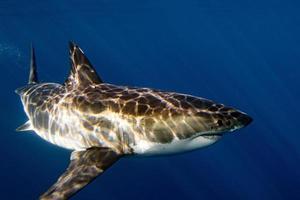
(33, 78)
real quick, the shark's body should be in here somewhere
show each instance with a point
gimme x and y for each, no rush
(102, 122)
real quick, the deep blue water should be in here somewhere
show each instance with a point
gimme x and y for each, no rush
(242, 53)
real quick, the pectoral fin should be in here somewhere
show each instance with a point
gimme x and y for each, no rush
(25, 127)
(84, 167)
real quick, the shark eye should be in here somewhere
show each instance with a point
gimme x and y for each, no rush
(220, 123)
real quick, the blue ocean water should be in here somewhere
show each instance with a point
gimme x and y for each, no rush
(241, 53)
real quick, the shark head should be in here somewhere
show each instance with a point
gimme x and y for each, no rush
(223, 121)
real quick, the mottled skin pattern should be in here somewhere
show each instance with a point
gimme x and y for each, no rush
(102, 122)
(145, 114)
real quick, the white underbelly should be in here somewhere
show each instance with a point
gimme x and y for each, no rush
(147, 148)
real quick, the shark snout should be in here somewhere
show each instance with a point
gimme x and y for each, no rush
(245, 119)
(240, 120)
(226, 120)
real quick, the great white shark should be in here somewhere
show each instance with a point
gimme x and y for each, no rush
(101, 122)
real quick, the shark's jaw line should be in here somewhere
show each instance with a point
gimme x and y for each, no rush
(102, 122)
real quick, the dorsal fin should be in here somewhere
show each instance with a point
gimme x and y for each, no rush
(82, 72)
(33, 78)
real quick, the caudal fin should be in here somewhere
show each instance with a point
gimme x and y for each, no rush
(33, 78)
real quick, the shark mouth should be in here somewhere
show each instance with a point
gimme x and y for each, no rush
(212, 136)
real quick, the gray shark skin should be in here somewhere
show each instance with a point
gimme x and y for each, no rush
(102, 122)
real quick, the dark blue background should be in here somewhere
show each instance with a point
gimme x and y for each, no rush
(242, 53)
